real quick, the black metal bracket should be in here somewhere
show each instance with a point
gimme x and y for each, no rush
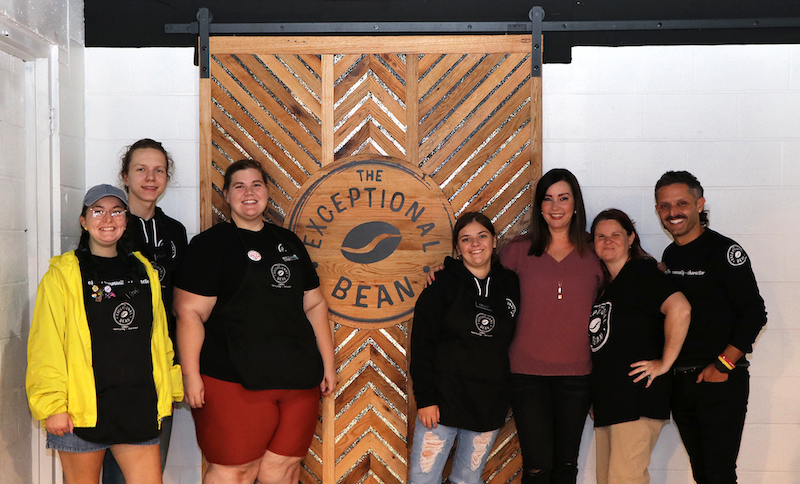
(537, 16)
(203, 42)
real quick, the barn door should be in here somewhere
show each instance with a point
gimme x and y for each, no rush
(374, 145)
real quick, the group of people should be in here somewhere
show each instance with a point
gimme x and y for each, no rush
(240, 308)
(555, 331)
(547, 327)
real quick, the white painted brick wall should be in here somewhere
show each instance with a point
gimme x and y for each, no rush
(15, 424)
(618, 118)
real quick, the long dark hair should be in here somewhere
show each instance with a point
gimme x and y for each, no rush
(635, 251)
(539, 231)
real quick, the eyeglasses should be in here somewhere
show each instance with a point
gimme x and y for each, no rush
(101, 212)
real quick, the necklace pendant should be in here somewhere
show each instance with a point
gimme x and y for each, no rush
(559, 291)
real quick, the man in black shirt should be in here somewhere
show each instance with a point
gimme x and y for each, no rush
(711, 382)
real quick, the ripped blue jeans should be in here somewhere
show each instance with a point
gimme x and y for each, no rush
(432, 448)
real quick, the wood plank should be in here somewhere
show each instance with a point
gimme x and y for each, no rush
(349, 148)
(493, 187)
(300, 123)
(359, 69)
(456, 93)
(264, 142)
(387, 76)
(536, 130)
(327, 109)
(358, 474)
(380, 408)
(390, 349)
(426, 61)
(509, 469)
(497, 78)
(363, 91)
(450, 141)
(366, 377)
(515, 209)
(429, 44)
(516, 187)
(369, 108)
(206, 214)
(289, 84)
(314, 62)
(412, 109)
(370, 444)
(396, 63)
(328, 435)
(399, 332)
(312, 78)
(437, 72)
(344, 64)
(494, 167)
(372, 421)
(254, 152)
(268, 126)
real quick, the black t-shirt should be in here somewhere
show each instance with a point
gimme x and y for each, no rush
(715, 274)
(627, 326)
(119, 311)
(163, 241)
(215, 264)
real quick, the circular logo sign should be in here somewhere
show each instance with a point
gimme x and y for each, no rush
(374, 227)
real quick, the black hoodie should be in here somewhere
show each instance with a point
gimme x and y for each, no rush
(162, 240)
(462, 329)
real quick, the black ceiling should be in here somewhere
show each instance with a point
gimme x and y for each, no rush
(140, 23)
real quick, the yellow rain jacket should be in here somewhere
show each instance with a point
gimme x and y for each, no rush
(60, 376)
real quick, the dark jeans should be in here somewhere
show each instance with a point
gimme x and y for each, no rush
(550, 412)
(710, 419)
(112, 474)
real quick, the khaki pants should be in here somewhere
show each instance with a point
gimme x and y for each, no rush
(623, 451)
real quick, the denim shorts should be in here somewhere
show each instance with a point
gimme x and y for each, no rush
(72, 443)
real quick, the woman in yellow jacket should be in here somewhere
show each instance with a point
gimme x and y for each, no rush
(100, 364)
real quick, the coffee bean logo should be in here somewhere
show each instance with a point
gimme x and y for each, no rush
(363, 236)
(374, 226)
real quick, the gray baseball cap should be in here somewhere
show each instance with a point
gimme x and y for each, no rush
(104, 190)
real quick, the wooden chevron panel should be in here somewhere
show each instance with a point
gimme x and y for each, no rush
(268, 108)
(463, 108)
(369, 105)
(371, 405)
(475, 130)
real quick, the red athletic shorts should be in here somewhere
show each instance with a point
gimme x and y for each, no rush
(237, 426)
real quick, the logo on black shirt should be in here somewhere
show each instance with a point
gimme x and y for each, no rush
(124, 314)
(485, 324)
(281, 274)
(159, 269)
(736, 255)
(512, 308)
(599, 325)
